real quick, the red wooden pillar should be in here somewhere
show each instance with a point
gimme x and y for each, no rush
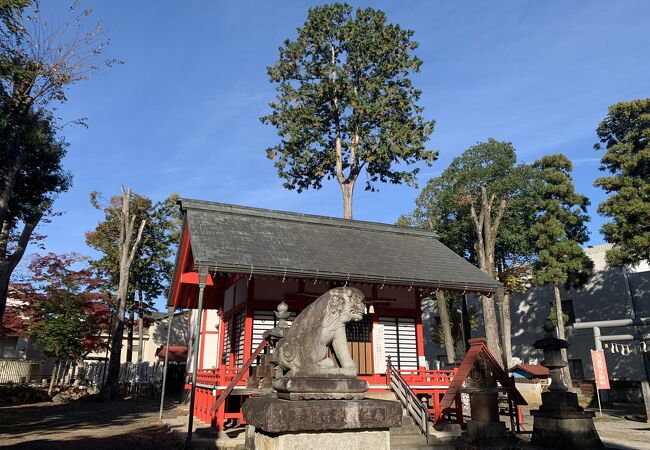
(248, 333)
(419, 335)
(248, 322)
(219, 415)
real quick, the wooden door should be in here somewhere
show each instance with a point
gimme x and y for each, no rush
(360, 344)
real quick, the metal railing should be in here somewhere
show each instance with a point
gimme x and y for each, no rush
(415, 408)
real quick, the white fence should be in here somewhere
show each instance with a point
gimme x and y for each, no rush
(135, 378)
(19, 371)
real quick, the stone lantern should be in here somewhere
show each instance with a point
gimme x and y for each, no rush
(560, 422)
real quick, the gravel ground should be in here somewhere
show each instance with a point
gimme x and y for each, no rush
(85, 425)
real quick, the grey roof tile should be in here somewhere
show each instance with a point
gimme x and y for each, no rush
(232, 238)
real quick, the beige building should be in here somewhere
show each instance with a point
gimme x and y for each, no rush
(154, 337)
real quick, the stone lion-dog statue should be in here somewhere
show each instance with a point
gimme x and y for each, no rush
(303, 351)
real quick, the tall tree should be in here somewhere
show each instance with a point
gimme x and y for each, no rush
(129, 240)
(346, 104)
(481, 206)
(39, 60)
(36, 186)
(151, 269)
(560, 230)
(625, 136)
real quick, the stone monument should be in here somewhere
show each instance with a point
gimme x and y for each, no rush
(320, 403)
(485, 423)
(560, 422)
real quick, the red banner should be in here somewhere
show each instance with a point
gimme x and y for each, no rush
(600, 369)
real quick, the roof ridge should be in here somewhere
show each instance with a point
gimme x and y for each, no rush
(290, 216)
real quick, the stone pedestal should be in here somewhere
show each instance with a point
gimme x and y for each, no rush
(561, 423)
(320, 388)
(485, 423)
(279, 424)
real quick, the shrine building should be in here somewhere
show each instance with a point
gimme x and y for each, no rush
(258, 258)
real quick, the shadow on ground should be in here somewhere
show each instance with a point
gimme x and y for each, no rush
(87, 425)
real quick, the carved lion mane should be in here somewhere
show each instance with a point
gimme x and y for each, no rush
(304, 349)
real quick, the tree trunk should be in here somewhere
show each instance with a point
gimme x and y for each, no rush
(560, 334)
(486, 228)
(347, 189)
(507, 330)
(446, 326)
(129, 338)
(55, 370)
(140, 326)
(491, 327)
(5, 275)
(127, 248)
(8, 262)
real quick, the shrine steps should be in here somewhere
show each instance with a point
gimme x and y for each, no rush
(409, 436)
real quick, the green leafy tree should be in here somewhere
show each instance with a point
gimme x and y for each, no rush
(36, 187)
(625, 136)
(560, 230)
(345, 103)
(152, 267)
(482, 206)
(39, 60)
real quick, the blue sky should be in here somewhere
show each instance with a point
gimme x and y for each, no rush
(182, 114)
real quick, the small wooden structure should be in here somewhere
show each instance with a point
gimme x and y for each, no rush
(480, 363)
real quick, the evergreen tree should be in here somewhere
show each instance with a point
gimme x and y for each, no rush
(625, 136)
(345, 103)
(482, 206)
(560, 230)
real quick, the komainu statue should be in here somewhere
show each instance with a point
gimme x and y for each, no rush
(303, 351)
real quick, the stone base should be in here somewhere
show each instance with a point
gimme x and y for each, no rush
(480, 430)
(275, 415)
(561, 423)
(325, 388)
(563, 433)
(361, 440)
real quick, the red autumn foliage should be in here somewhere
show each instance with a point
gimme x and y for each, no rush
(61, 288)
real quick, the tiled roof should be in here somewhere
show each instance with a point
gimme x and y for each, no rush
(231, 238)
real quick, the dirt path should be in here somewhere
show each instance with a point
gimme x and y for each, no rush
(85, 425)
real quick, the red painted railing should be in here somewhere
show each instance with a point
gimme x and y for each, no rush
(421, 377)
(211, 383)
